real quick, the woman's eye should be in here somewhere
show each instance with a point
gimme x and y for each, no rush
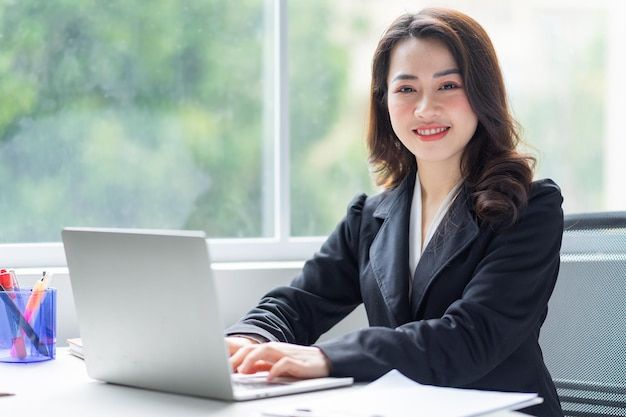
(449, 86)
(406, 89)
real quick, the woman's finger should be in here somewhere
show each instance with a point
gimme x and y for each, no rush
(234, 343)
(265, 352)
(287, 367)
(237, 358)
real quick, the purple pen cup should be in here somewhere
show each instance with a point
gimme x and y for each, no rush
(27, 334)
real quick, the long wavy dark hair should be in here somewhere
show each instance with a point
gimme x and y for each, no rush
(498, 176)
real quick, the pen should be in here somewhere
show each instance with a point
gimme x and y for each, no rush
(36, 297)
(30, 314)
(16, 317)
(9, 284)
(6, 280)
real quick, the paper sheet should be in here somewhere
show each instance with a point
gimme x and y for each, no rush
(394, 395)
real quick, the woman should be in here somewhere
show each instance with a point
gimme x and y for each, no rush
(454, 262)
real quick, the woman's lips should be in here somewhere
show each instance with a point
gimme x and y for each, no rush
(431, 133)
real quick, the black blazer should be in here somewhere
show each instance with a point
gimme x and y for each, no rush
(472, 319)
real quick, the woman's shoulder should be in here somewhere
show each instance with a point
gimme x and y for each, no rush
(544, 202)
(375, 205)
(545, 186)
(545, 190)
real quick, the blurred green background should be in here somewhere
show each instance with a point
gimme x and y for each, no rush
(160, 114)
(152, 115)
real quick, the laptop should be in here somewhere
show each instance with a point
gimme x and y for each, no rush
(148, 315)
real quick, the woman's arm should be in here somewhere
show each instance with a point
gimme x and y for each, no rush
(324, 293)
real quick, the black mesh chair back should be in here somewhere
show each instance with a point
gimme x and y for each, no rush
(584, 336)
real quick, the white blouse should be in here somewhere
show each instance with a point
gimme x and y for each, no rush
(415, 222)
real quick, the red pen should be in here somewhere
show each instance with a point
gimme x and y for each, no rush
(9, 283)
(6, 280)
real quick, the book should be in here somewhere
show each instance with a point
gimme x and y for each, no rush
(76, 347)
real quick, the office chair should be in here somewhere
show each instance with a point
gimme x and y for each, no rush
(584, 336)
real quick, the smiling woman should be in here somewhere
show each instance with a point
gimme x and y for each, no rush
(427, 102)
(454, 261)
(431, 82)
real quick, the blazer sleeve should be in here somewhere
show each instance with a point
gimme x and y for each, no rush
(503, 303)
(324, 292)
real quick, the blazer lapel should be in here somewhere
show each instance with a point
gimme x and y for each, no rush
(389, 252)
(456, 231)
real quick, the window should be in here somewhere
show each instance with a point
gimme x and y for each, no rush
(118, 114)
(246, 119)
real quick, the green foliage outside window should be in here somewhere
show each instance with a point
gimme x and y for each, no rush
(149, 115)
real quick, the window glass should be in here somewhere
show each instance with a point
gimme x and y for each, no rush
(556, 76)
(327, 105)
(131, 114)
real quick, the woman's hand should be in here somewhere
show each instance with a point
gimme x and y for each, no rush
(234, 343)
(280, 359)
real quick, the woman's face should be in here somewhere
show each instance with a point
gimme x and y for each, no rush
(427, 103)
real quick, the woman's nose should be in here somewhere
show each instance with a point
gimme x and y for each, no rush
(426, 108)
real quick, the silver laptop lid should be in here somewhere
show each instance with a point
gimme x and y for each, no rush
(147, 309)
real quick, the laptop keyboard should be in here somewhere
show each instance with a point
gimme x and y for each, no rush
(256, 381)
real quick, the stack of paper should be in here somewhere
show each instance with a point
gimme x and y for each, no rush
(76, 347)
(394, 395)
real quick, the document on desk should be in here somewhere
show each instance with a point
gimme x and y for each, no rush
(393, 395)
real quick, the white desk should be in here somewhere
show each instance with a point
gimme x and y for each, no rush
(61, 388)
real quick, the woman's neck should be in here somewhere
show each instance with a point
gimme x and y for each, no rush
(437, 180)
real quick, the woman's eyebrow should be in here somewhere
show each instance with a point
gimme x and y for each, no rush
(438, 74)
(446, 72)
(404, 77)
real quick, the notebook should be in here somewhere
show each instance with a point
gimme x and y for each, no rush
(148, 315)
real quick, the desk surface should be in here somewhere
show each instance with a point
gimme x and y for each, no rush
(61, 387)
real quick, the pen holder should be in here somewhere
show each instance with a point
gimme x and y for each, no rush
(28, 325)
